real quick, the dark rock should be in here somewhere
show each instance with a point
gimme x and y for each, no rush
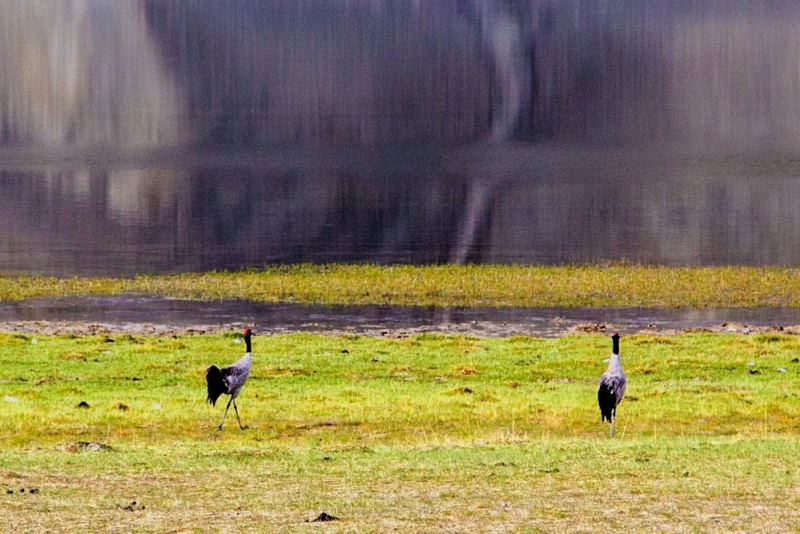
(132, 507)
(323, 517)
(83, 404)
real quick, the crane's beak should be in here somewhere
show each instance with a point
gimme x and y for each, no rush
(607, 360)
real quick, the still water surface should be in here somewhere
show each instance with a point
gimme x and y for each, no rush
(169, 136)
(526, 203)
(138, 315)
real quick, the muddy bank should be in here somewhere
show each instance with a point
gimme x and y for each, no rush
(472, 329)
(165, 317)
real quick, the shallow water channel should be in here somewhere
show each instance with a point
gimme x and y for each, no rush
(133, 314)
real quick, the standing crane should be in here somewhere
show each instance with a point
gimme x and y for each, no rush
(612, 385)
(230, 380)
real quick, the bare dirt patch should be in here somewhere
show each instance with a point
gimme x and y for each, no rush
(474, 329)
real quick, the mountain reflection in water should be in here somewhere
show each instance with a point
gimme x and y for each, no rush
(170, 135)
(478, 203)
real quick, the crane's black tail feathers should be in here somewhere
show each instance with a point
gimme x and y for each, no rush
(607, 399)
(216, 386)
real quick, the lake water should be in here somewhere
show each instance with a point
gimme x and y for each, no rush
(483, 202)
(168, 136)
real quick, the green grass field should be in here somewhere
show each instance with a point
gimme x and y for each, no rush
(617, 285)
(425, 433)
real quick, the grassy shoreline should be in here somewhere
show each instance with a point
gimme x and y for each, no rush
(616, 285)
(422, 433)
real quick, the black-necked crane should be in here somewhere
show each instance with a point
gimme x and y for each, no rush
(230, 380)
(612, 385)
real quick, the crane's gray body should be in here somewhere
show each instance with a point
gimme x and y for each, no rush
(235, 375)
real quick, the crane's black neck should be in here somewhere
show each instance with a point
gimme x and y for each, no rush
(614, 348)
(247, 343)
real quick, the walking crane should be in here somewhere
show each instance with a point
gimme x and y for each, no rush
(230, 380)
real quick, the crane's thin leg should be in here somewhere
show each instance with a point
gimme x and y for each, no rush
(235, 409)
(613, 419)
(224, 414)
